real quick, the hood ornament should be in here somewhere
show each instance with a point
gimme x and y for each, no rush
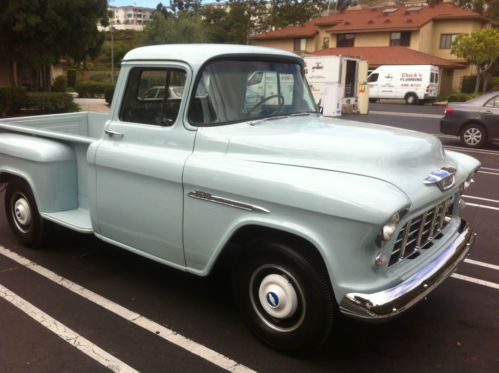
(443, 177)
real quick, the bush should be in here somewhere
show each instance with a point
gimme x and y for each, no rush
(71, 78)
(108, 95)
(101, 77)
(461, 97)
(493, 84)
(11, 100)
(90, 88)
(60, 84)
(50, 102)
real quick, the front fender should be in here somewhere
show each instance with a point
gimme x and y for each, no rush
(48, 166)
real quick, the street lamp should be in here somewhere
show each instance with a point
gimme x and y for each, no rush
(111, 29)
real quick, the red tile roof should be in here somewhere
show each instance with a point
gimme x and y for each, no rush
(373, 19)
(376, 56)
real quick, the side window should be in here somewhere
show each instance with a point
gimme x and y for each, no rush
(493, 102)
(153, 96)
(373, 78)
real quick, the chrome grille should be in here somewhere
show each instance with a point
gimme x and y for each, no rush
(418, 233)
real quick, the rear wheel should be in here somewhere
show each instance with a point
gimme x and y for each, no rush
(22, 213)
(473, 136)
(284, 296)
(411, 99)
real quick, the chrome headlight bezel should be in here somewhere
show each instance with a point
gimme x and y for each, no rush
(390, 227)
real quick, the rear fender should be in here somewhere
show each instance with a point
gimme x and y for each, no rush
(48, 166)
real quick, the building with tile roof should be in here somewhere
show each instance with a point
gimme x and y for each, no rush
(387, 35)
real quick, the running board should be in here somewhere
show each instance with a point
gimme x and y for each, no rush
(77, 220)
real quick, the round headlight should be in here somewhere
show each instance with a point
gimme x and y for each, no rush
(390, 227)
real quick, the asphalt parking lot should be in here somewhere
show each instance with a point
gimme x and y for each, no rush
(80, 305)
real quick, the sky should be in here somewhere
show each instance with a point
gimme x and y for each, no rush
(145, 3)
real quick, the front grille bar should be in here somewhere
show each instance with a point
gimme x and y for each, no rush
(418, 233)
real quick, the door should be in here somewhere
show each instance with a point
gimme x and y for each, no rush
(490, 116)
(139, 165)
(387, 85)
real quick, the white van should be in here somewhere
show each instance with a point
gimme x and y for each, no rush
(413, 83)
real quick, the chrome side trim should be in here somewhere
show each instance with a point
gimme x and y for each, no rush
(205, 196)
(390, 302)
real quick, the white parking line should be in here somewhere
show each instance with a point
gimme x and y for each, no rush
(489, 169)
(488, 173)
(65, 333)
(482, 264)
(482, 206)
(481, 198)
(131, 316)
(489, 284)
(479, 151)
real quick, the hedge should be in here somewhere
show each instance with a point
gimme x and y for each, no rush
(11, 100)
(60, 84)
(461, 97)
(50, 102)
(92, 89)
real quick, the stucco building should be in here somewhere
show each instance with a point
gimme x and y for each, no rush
(418, 34)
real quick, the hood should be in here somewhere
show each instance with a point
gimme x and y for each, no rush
(401, 157)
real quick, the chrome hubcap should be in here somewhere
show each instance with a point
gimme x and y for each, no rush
(472, 136)
(22, 214)
(278, 296)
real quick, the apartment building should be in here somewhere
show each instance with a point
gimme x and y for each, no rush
(388, 35)
(129, 17)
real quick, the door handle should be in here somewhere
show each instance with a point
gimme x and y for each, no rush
(113, 133)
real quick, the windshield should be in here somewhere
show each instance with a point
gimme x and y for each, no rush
(230, 91)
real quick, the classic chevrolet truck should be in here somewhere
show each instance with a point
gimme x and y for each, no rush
(318, 216)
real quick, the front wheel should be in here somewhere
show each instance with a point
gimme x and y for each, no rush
(284, 296)
(22, 213)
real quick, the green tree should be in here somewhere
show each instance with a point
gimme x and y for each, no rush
(481, 49)
(38, 33)
(180, 28)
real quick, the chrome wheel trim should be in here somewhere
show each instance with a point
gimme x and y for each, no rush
(275, 279)
(21, 213)
(472, 136)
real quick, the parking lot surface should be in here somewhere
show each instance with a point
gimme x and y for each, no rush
(80, 305)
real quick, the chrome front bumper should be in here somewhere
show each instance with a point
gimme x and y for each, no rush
(391, 302)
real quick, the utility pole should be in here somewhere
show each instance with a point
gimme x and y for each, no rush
(112, 54)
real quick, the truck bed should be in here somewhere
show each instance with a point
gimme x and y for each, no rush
(83, 127)
(77, 130)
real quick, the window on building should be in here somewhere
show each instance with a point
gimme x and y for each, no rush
(345, 40)
(325, 43)
(402, 38)
(299, 45)
(446, 40)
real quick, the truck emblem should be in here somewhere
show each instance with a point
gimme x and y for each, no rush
(272, 299)
(443, 177)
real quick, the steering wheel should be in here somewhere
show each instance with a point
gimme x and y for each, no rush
(280, 102)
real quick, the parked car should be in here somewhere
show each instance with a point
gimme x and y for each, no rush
(158, 93)
(475, 121)
(314, 216)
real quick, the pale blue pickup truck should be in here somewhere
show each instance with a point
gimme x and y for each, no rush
(316, 216)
